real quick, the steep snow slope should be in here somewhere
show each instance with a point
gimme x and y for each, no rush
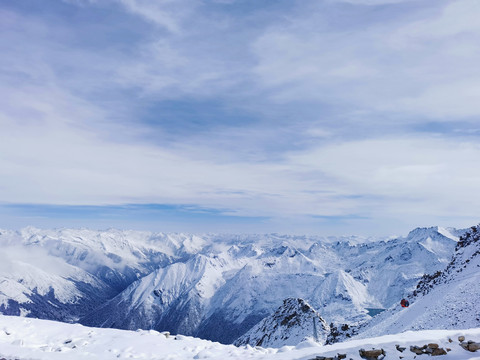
(447, 299)
(22, 338)
(171, 298)
(295, 320)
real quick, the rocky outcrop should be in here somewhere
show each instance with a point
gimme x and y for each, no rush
(339, 333)
(294, 321)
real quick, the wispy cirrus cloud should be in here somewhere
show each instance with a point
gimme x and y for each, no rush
(420, 67)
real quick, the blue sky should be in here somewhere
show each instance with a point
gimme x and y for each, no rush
(324, 117)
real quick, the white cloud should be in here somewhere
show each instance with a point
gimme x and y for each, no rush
(444, 101)
(419, 175)
(383, 66)
(165, 13)
(456, 18)
(63, 164)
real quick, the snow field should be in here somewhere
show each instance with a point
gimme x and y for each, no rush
(25, 339)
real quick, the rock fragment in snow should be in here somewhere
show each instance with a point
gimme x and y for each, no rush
(430, 349)
(438, 351)
(374, 354)
(417, 350)
(470, 345)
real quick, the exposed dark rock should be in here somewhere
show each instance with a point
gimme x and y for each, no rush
(438, 351)
(470, 345)
(374, 354)
(430, 349)
(417, 350)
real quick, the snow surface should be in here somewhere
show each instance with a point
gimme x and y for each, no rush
(26, 338)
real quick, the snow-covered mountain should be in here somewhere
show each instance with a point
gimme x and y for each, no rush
(294, 321)
(221, 294)
(446, 299)
(63, 274)
(173, 297)
(211, 286)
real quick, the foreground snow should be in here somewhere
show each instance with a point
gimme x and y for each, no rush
(25, 338)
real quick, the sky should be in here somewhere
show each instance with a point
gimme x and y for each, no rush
(327, 117)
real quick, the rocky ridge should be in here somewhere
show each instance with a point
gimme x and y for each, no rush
(294, 321)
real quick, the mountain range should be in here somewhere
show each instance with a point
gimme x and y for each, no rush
(216, 287)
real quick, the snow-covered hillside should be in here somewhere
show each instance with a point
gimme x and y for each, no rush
(23, 338)
(446, 299)
(211, 286)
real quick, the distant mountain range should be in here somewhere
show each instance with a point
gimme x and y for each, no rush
(215, 287)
